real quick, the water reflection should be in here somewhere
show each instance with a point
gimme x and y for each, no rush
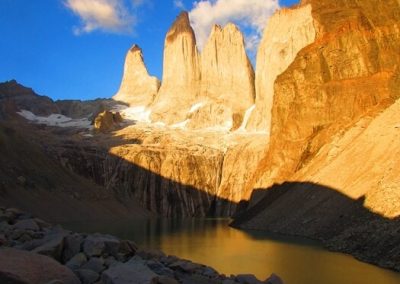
(230, 251)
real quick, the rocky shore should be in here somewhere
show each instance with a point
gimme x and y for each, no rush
(34, 251)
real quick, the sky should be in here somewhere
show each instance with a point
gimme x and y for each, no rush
(75, 49)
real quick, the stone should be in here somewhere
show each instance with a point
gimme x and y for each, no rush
(98, 244)
(72, 246)
(159, 268)
(127, 247)
(137, 88)
(132, 272)
(165, 280)
(27, 224)
(107, 121)
(273, 279)
(17, 266)
(87, 276)
(186, 266)
(77, 261)
(95, 264)
(248, 279)
(181, 74)
(53, 246)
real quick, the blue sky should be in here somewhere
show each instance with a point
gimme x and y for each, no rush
(62, 49)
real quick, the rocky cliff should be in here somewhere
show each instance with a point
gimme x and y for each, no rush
(332, 153)
(227, 77)
(137, 88)
(181, 73)
(288, 31)
(173, 173)
(349, 71)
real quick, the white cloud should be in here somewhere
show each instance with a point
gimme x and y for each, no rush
(179, 4)
(251, 15)
(106, 15)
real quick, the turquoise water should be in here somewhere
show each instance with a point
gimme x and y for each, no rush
(231, 251)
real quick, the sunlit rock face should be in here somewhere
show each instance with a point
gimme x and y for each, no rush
(227, 78)
(171, 172)
(181, 74)
(137, 88)
(288, 31)
(351, 70)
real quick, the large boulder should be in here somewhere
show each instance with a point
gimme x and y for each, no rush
(107, 121)
(132, 272)
(17, 266)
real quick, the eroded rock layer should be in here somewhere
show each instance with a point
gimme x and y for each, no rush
(172, 173)
(137, 88)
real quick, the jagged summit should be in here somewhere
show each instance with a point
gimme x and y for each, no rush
(181, 25)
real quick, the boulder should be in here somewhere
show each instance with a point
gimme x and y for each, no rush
(77, 261)
(72, 246)
(17, 266)
(132, 272)
(27, 224)
(107, 121)
(53, 246)
(95, 264)
(87, 276)
(98, 244)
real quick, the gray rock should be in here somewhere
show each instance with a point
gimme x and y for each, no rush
(196, 279)
(95, 264)
(110, 261)
(209, 272)
(165, 280)
(17, 266)
(185, 266)
(72, 246)
(159, 268)
(76, 261)
(98, 244)
(53, 246)
(27, 224)
(87, 276)
(228, 281)
(248, 279)
(132, 272)
(42, 224)
(127, 247)
(274, 279)
(150, 254)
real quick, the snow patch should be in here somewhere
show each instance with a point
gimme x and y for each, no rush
(56, 120)
(246, 118)
(136, 114)
(196, 107)
(181, 125)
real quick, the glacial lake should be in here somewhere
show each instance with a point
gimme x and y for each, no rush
(231, 251)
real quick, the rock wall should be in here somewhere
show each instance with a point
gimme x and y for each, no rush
(351, 70)
(181, 73)
(227, 74)
(137, 88)
(288, 31)
(171, 173)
